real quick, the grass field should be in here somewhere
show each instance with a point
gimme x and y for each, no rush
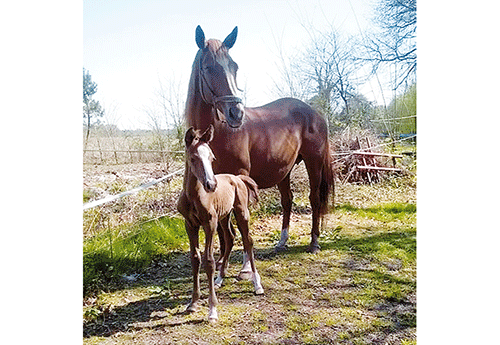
(360, 288)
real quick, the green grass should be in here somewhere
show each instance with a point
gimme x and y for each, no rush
(119, 251)
(384, 213)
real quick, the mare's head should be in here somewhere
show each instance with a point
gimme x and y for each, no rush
(199, 157)
(217, 77)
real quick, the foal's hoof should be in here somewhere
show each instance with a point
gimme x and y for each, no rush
(218, 282)
(245, 275)
(213, 316)
(191, 308)
(259, 291)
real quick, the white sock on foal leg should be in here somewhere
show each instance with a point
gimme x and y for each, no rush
(246, 264)
(212, 315)
(259, 290)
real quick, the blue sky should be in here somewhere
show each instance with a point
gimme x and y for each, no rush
(128, 46)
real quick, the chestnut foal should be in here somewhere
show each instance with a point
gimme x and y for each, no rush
(207, 200)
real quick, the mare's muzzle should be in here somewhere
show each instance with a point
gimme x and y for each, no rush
(232, 109)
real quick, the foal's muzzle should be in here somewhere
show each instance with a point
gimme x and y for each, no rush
(210, 185)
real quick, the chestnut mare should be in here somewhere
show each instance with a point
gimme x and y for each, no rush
(207, 200)
(264, 142)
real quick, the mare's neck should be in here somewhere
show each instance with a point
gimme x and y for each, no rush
(198, 113)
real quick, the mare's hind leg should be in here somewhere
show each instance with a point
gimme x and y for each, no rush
(222, 264)
(242, 217)
(286, 203)
(222, 233)
(314, 170)
(222, 242)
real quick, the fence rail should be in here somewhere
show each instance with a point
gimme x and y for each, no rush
(144, 186)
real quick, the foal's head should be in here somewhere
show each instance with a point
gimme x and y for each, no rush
(199, 156)
(217, 77)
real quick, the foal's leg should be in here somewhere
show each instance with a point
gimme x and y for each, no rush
(209, 265)
(286, 203)
(242, 217)
(192, 232)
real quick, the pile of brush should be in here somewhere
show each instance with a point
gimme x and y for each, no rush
(351, 167)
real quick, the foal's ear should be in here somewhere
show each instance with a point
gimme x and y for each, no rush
(231, 38)
(208, 135)
(189, 137)
(200, 37)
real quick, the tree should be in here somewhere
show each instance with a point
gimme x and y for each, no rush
(330, 67)
(357, 113)
(395, 43)
(166, 114)
(92, 110)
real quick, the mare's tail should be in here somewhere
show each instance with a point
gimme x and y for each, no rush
(327, 184)
(253, 189)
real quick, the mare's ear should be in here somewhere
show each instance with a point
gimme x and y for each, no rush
(231, 38)
(200, 37)
(208, 135)
(189, 137)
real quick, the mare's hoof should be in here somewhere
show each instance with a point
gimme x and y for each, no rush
(280, 249)
(313, 249)
(213, 320)
(245, 275)
(259, 291)
(218, 282)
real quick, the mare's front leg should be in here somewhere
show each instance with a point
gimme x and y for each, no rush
(209, 265)
(192, 231)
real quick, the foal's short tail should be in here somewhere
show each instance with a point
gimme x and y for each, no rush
(253, 189)
(327, 183)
